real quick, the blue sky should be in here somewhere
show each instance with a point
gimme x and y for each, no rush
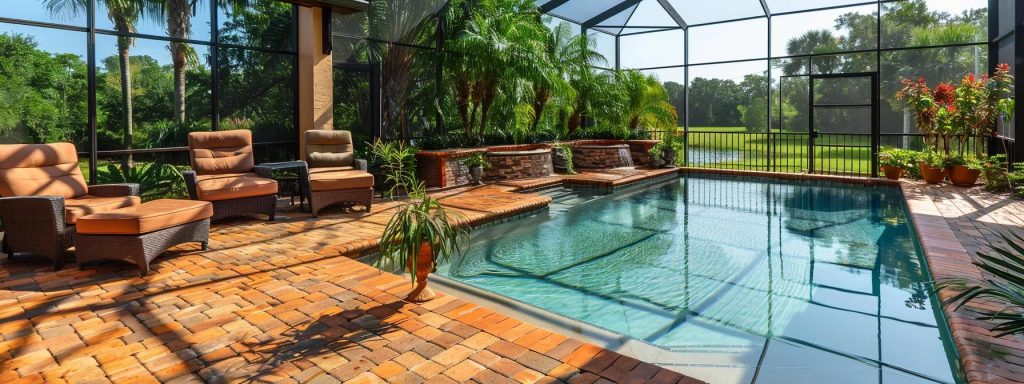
(61, 41)
(733, 41)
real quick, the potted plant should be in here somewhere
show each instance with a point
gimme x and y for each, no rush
(894, 163)
(664, 153)
(964, 171)
(419, 235)
(933, 166)
(476, 164)
(394, 165)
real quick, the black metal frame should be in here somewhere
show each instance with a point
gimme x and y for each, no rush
(812, 133)
(994, 11)
(93, 152)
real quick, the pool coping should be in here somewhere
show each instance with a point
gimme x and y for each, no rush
(947, 258)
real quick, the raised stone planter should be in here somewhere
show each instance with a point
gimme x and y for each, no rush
(587, 156)
(519, 162)
(444, 168)
(639, 150)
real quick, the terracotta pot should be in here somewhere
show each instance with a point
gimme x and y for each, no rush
(892, 173)
(962, 176)
(424, 266)
(930, 174)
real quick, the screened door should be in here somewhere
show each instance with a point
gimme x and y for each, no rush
(843, 136)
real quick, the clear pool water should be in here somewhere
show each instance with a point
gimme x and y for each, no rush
(736, 279)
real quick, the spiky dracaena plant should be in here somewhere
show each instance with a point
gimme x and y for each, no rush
(1004, 285)
(422, 220)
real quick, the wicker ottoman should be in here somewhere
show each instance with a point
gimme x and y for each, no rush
(141, 233)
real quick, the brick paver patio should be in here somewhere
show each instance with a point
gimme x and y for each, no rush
(954, 223)
(284, 302)
(281, 302)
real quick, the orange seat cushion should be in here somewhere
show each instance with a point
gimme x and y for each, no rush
(340, 180)
(329, 169)
(41, 170)
(145, 218)
(221, 152)
(233, 186)
(75, 209)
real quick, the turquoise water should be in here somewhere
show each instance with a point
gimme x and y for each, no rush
(735, 279)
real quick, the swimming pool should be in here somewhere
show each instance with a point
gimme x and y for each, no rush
(735, 279)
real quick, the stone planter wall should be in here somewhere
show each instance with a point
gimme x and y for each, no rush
(519, 162)
(601, 156)
(444, 168)
(638, 149)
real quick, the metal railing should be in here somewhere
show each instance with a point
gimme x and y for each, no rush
(841, 154)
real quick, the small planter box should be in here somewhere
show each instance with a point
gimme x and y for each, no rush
(444, 168)
(511, 162)
(638, 149)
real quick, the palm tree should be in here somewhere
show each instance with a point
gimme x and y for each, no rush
(123, 14)
(647, 105)
(495, 46)
(178, 15)
(408, 23)
(567, 53)
(812, 42)
(597, 95)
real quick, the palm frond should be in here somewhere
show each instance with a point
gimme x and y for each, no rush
(1003, 283)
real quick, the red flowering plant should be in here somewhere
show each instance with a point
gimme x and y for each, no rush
(1001, 93)
(919, 98)
(975, 117)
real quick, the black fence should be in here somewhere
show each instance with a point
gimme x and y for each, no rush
(841, 154)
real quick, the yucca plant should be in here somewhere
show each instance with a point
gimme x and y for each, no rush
(419, 235)
(1004, 285)
(155, 180)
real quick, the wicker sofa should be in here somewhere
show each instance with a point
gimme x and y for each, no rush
(43, 194)
(335, 175)
(224, 173)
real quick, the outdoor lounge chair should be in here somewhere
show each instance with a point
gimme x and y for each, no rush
(223, 173)
(43, 194)
(335, 175)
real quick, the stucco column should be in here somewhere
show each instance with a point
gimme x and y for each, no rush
(316, 93)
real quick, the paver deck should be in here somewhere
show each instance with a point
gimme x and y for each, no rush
(281, 302)
(954, 224)
(607, 178)
(284, 302)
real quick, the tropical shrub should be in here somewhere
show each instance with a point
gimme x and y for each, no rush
(899, 158)
(477, 160)
(670, 142)
(606, 132)
(155, 180)
(994, 173)
(1015, 179)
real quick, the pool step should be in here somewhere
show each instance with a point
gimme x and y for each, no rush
(563, 199)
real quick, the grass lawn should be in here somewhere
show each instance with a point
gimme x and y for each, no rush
(734, 148)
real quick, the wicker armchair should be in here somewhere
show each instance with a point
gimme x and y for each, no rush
(44, 194)
(335, 175)
(223, 174)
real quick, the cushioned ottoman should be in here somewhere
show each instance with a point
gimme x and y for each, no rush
(141, 233)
